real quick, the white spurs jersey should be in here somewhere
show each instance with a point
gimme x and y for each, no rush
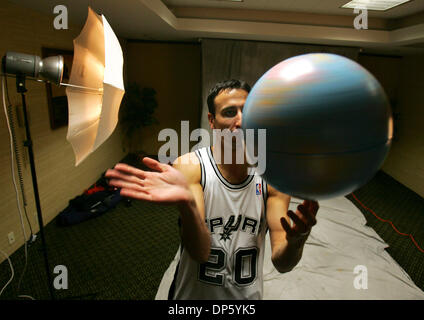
(236, 218)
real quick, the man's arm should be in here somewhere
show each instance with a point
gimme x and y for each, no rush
(287, 241)
(195, 235)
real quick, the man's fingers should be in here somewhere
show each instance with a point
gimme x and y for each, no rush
(287, 227)
(306, 204)
(129, 170)
(314, 206)
(138, 195)
(119, 175)
(300, 224)
(124, 184)
(113, 173)
(307, 215)
(154, 164)
(301, 214)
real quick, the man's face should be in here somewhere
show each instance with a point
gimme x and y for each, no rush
(228, 109)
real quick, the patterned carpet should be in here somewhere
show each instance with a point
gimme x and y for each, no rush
(123, 254)
(119, 255)
(392, 201)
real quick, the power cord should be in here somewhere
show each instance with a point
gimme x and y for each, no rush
(16, 192)
(13, 272)
(391, 223)
(17, 158)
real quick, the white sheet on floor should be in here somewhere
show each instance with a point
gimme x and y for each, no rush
(338, 243)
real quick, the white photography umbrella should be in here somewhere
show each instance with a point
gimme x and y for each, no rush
(96, 86)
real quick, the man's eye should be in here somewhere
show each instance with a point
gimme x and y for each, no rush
(230, 113)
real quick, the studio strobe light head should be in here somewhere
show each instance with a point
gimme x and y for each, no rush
(21, 64)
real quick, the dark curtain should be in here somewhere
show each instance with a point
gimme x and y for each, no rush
(249, 60)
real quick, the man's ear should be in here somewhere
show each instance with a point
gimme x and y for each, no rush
(211, 119)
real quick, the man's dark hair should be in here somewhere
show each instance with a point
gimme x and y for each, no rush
(224, 85)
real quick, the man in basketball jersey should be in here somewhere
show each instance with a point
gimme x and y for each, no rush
(224, 212)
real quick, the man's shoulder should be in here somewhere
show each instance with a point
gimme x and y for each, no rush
(189, 165)
(187, 160)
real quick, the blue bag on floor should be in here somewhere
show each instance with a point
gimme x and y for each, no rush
(85, 207)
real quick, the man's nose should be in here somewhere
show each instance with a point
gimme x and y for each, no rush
(239, 118)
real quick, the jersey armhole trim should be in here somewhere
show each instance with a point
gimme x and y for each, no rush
(202, 170)
(264, 194)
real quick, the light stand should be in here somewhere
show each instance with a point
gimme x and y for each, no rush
(22, 65)
(20, 86)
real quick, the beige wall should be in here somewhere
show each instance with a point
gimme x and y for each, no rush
(406, 161)
(403, 81)
(24, 30)
(174, 71)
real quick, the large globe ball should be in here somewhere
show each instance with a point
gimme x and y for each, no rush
(328, 125)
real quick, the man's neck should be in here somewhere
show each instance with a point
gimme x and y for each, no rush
(233, 172)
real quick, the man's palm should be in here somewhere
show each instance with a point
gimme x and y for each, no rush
(164, 185)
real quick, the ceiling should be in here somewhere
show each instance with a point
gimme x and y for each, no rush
(309, 6)
(296, 21)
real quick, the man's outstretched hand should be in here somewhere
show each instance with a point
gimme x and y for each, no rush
(303, 220)
(164, 185)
